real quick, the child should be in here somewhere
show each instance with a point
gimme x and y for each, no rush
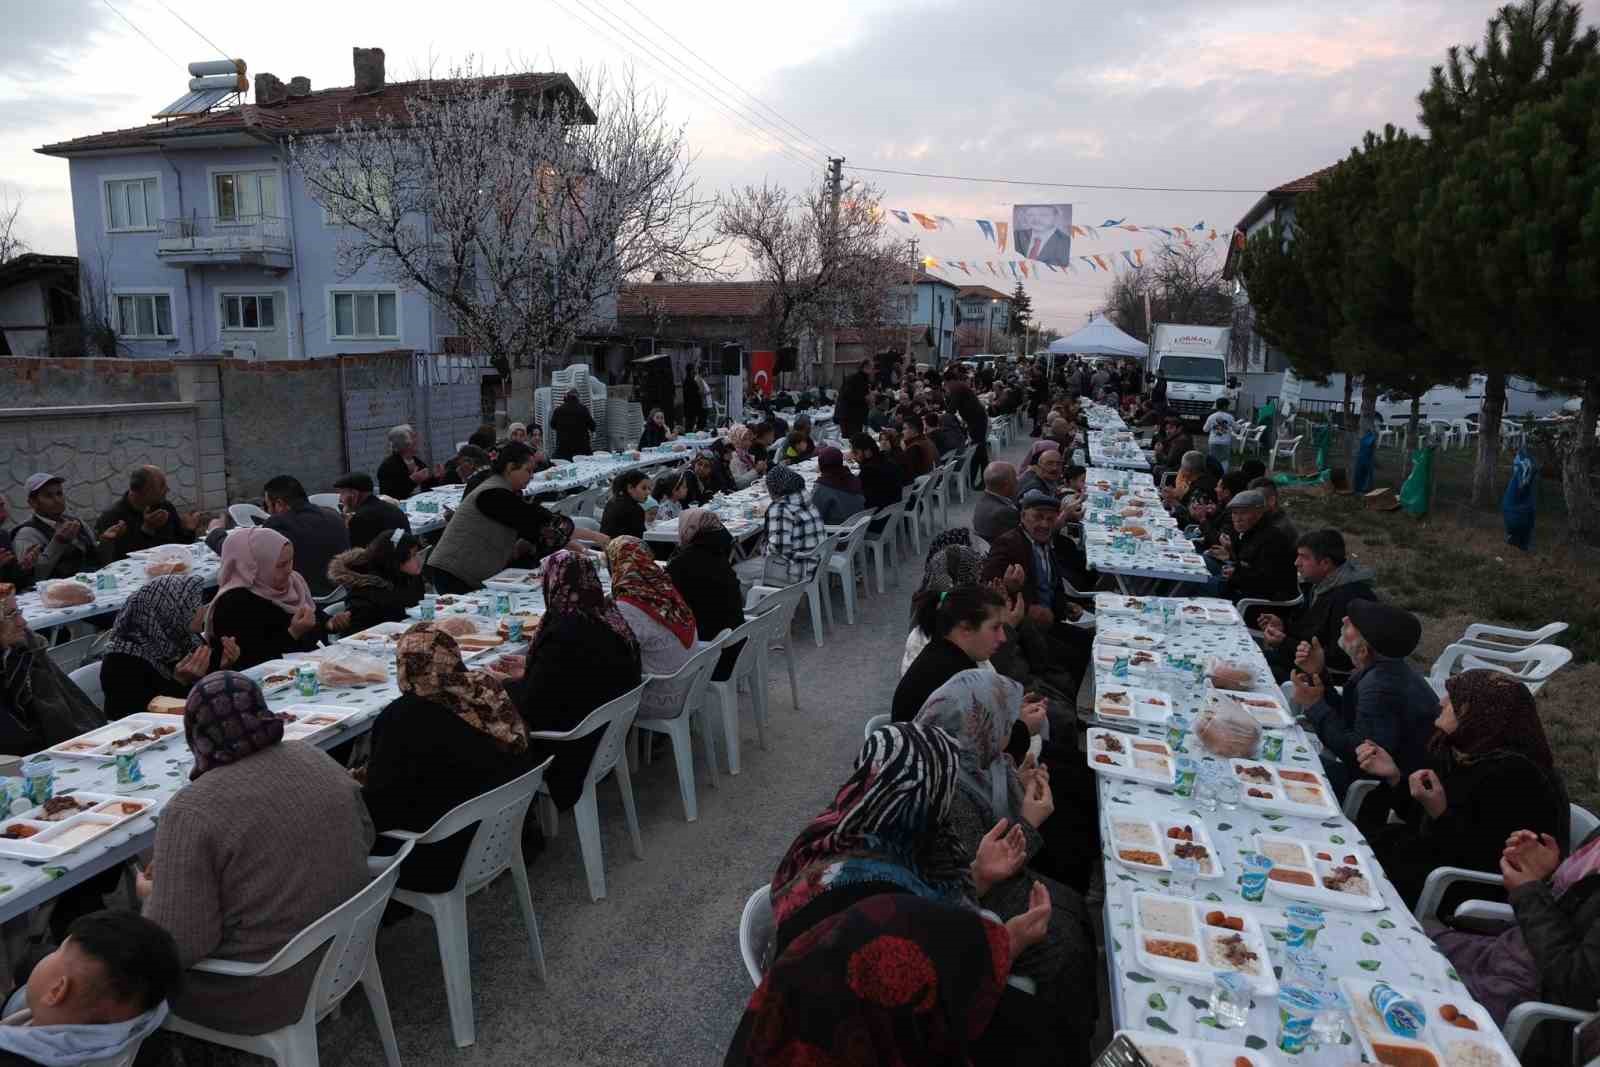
(669, 492)
(1219, 430)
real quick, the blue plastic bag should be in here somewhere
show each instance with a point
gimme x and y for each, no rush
(1361, 481)
(1520, 501)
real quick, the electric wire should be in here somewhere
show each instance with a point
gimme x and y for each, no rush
(1050, 185)
(146, 36)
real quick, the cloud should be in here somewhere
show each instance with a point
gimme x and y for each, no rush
(44, 40)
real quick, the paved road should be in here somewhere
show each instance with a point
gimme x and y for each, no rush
(651, 974)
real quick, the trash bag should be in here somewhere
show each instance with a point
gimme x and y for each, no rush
(1365, 465)
(1323, 437)
(1415, 493)
(1518, 504)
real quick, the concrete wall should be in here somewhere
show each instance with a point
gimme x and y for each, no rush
(26, 383)
(281, 417)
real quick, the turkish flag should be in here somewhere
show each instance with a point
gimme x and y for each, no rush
(763, 371)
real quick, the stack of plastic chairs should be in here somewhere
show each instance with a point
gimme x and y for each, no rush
(624, 424)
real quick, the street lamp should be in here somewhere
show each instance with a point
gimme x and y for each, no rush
(988, 332)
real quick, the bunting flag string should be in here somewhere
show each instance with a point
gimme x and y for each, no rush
(997, 232)
(1109, 261)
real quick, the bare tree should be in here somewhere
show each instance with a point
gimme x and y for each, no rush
(517, 203)
(820, 269)
(11, 243)
(1183, 284)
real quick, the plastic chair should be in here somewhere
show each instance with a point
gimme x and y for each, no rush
(881, 544)
(87, 678)
(1249, 604)
(615, 718)
(816, 589)
(1387, 432)
(755, 931)
(689, 680)
(726, 691)
(1532, 666)
(911, 515)
(779, 607)
(496, 848)
(247, 515)
(350, 931)
(69, 655)
(325, 500)
(841, 563)
(963, 476)
(1287, 447)
(1255, 438)
(1505, 639)
(873, 723)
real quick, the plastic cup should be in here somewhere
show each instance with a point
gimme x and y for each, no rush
(1297, 1011)
(429, 606)
(1303, 922)
(1253, 879)
(1181, 883)
(1230, 1000)
(1187, 770)
(1228, 792)
(1205, 788)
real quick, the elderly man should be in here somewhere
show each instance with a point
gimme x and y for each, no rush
(1025, 559)
(39, 705)
(1336, 581)
(143, 517)
(467, 462)
(995, 512)
(1385, 700)
(1044, 477)
(15, 570)
(366, 514)
(58, 544)
(1269, 489)
(403, 473)
(1259, 563)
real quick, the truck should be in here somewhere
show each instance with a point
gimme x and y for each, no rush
(1195, 359)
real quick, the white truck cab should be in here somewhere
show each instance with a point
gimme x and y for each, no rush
(1195, 359)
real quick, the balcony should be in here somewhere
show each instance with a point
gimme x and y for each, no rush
(246, 241)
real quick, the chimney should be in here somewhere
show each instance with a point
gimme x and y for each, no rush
(269, 90)
(369, 69)
(299, 85)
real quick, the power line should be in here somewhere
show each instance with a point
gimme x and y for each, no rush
(196, 32)
(827, 148)
(1052, 185)
(146, 36)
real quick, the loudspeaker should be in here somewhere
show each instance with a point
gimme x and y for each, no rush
(788, 358)
(731, 358)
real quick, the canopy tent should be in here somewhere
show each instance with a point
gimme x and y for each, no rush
(1099, 338)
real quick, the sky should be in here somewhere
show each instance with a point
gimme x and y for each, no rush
(1237, 95)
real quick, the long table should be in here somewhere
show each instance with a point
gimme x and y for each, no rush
(1166, 556)
(1387, 944)
(742, 512)
(130, 578)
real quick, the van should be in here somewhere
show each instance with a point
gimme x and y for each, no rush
(1195, 360)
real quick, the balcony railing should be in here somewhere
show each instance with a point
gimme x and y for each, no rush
(241, 239)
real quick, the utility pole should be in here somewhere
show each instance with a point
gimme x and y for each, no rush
(911, 305)
(830, 333)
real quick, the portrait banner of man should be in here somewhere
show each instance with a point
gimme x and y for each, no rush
(1043, 232)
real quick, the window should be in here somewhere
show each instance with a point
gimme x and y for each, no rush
(365, 315)
(369, 189)
(144, 315)
(248, 312)
(245, 196)
(132, 204)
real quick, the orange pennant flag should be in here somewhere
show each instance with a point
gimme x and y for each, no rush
(1101, 260)
(927, 223)
(1001, 228)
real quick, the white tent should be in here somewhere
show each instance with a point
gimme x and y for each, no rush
(1099, 338)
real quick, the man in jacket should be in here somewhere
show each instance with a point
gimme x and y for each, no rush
(1259, 565)
(1335, 582)
(317, 534)
(366, 514)
(1172, 444)
(403, 473)
(143, 517)
(1044, 477)
(1385, 700)
(995, 512)
(1025, 560)
(58, 544)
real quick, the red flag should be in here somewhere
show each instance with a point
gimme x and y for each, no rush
(763, 370)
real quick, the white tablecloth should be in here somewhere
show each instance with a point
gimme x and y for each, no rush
(130, 577)
(1166, 556)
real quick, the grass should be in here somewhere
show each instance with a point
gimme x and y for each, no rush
(1454, 568)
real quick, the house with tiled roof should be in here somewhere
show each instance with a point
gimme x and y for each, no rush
(202, 239)
(983, 316)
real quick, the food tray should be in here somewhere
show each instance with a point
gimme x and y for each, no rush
(1164, 1051)
(100, 814)
(385, 634)
(1129, 637)
(1116, 604)
(102, 743)
(280, 671)
(305, 721)
(1439, 1043)
(1181, 924)
(1139, 660)
(1124, 703)
(516, 580)
(1151, 831)
(1118, 749)
(1278, 798)
(1267, 709)
(1303, 858)
(1215, 613)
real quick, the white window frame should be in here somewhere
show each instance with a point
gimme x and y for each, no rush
(279, 310)
(357, 290)
(105, 202)
(245, 168)
(172, 314)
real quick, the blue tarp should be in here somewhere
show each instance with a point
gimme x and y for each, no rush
(1520, 500)
(1361, 480)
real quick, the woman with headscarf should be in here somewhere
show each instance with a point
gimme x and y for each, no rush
(1489, 772)
(837, 495)
(39, 705)
(582, 656)
(702, 572)
(888, 832)
(155, 648)
(658, 616)
(262, 603)
(268, 836)
(745, 465)
(951, 561)
(981, 711)
(573, 424)
(451, 735)
(794, 528)
(656, 431)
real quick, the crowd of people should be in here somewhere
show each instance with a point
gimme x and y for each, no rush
(967, 831)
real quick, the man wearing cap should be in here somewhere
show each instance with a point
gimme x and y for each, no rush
(1259, 564)
(367, 515)
(61, 545)
(143, 517)
(466, 463)
(1025, 559)
(1386, 701)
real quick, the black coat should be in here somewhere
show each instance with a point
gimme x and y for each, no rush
(133, 537)
(938, 662)
(259, 626)
(1563, 936)
(372, 517)
(1323, 618)
(59, 709)
(425, 761)
(1389, 704)
(573, 424)
(1264, 562)
(623, 516)
(653, 435)
(130, 684)
(579, 665)
(706, 580)
(370, 597)
(394, 477)
(882, 482)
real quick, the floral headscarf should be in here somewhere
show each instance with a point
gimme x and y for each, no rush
(637, 578)
(154, 623)
(952, 561)
(978, 708)
(741, 439)
(572, 589)
(1494, 712)
(226, 719)
(429, 665)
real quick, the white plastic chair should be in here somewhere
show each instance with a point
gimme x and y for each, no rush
(1387, 432)
(779, 607)
(755, 931)
(882, 544)
(1254, 440)
(841, 563)
(1512, 435)
(911, 515)
(963, 476)
(873, 723)
(350, 931)
(1505, 639)
(1287, 447)
(87, 678)
(689, 681)
(817, 590)
(325, 500)
(1532, 666)
(726, 691)
(69, 655)
(496, 848)
(615, 718)
(1465, 430)
(247, 515)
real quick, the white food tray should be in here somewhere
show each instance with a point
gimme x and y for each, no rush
(1438, 1037)
(516, 580)
(1267, 709)
(1147, 830)
(313, 720)
(1304, 855)
(1119, 751)
(1128, 637)
(276, 669)
(102, 743)
(1200, 938)
(1139, 660)
(1187, 1052)
(1124, 703)
(1279, 799)
(105, 812)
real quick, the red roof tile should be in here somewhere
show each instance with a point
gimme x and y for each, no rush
(1305, 184)
(683, 300)
(316, 112)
